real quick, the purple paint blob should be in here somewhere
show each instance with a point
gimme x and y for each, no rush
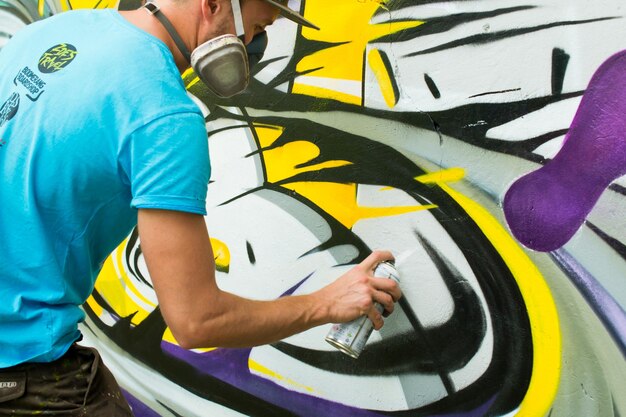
(545, 208)
(231, 366)
(139, 409)
(481, 411)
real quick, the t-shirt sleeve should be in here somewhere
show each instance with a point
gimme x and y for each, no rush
(167, 164)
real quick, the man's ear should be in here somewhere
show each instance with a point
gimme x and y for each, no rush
(210, 7)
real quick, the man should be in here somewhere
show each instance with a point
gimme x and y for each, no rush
(98, 135)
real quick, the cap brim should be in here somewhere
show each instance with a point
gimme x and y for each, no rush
(292, 15)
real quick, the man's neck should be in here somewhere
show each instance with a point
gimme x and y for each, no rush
(150, 24)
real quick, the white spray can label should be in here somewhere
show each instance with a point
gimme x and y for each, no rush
(350, 338)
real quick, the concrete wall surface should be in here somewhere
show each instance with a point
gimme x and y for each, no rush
(482, 141)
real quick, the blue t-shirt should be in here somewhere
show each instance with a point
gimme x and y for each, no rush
(95, 123)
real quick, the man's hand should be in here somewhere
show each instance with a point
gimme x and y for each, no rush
(353, 294)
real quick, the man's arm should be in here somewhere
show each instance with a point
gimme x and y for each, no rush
(180, 259)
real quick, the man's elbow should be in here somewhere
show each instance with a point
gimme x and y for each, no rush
(186, 341)
(195, 328)
(189, 336)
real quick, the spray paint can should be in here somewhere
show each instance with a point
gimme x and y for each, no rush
(350, 338)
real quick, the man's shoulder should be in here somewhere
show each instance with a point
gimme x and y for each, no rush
(57, 21)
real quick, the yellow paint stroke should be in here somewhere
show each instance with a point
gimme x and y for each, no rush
(113, 286)
(168, 336)
(95, 307)
(349, 31)
(445, 175)
(268, 134)
(268, 372)
(385, 79)
(109, 286)
(544, 320)
(339, 200)
(190, 78)
(282, 162)
(221, 254)
(129, 284)
(79, 4)
(90, 4)
(321, 92)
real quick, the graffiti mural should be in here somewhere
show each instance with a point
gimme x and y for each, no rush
(403, 125)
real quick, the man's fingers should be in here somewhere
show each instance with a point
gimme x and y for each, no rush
(376, 318)
(384, 299)
(375, 258)
(388, 286)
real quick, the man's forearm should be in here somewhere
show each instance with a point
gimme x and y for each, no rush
(241, 322)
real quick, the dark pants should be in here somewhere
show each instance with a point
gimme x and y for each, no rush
(77, 384)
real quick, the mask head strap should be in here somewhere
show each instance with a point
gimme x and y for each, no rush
(154, 10)
(236, 6)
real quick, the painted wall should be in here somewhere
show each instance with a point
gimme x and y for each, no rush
(465, 136)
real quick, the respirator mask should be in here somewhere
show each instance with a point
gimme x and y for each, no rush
(222, 63)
